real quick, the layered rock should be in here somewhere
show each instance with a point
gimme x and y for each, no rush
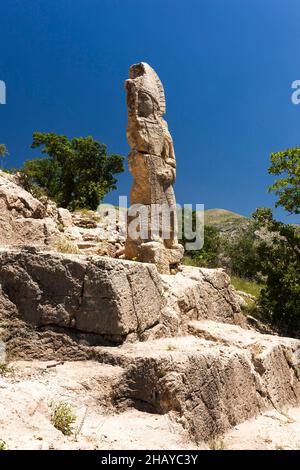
(115, 299)
(24, 220)
(184, 348)
(98, 295)
(213, 382)
(199, 293)
(194, 361)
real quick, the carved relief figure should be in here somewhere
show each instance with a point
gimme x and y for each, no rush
(152, 163)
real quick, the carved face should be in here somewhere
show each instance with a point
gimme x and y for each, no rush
(145, 105)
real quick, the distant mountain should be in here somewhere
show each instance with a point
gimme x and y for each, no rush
(228, 223)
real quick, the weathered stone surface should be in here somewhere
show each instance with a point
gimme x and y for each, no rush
(23, 219)
(16, 200)
(65, 217)
(211, 379)
(213, 384)
(153, 166)
(199, 293)
(110, 297)
(218, 376)
(31, 392)
(97, 295)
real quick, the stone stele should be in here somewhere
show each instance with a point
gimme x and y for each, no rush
(152, 164)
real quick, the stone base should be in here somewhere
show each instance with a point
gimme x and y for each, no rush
(113, 299)
(155, 253)
(164, 258)
(96, 295)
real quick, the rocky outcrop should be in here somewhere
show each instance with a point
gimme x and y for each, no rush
(195, 360)
(24, 220)
(213, 382)
(115, 299)
(199, 293)
(106, 297)
(183, 347)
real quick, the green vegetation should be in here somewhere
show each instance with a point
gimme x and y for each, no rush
(208, 256)
(217, 444)
(75, 173)
(266, 266)
(63, 418)
(3, 153)
(3, 150)
(6, 368)
(223, 219)
(250, 287)
(3, 368)
(243, 260)
(264, 257)
(287, 188)
(171, 347)
(280, 264)
(280, 258)
(3, 445)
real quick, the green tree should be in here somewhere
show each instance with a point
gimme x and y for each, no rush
(280, 264)
(75, 173)
(3, 152)
(287, 188)
(280, 256)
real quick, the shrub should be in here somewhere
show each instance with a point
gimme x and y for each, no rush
(3, 445)
(280, 264)
(208, 256)
(63, 418)
(242, 255)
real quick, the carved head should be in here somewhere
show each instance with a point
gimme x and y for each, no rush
(145, 93)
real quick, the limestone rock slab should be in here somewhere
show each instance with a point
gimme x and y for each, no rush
(97, 295)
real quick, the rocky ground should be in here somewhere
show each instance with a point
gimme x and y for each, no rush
(145, 360)
(30, 390)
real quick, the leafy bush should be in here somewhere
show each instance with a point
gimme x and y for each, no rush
(3, 445)
(287, 188)
(3, 150)
(76, 173)
(280, 264)
(242, 255)
(3, 153)
(208, 256)
(63, 418)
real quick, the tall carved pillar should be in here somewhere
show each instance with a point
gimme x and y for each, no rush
(152, 164)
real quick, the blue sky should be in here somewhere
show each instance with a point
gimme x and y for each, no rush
(227, 67)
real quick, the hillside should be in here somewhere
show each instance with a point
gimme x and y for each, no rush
(227, 222)
(107, 346)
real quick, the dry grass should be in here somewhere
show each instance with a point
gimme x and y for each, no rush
(217, 444)
(65, 246)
